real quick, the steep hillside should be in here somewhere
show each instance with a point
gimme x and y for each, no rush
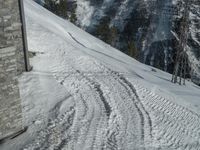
(142, 29)
(83, 94)
(146, 26)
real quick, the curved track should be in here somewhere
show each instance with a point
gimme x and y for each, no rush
(111, 112)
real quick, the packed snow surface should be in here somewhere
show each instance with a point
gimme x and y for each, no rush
(83, 94)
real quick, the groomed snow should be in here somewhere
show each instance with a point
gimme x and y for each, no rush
(84, 94)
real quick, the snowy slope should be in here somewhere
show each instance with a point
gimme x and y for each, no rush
(149, 24)
(84, 94)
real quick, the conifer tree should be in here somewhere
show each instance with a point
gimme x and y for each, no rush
(62, 9)
(132, 49)
(57, 7)
(103, 30)
(73, 17)
(106, 33)
(50, 5)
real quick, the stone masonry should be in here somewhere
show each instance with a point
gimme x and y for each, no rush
(12, 64)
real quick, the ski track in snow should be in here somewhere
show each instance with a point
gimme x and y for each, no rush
(174, 127)
(110, 112)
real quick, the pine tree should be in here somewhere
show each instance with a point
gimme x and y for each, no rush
(59, 8)
(106, 33)
(132, 49)
(103, 31)
(52, 6)
(113, 35)
(62, 9)
(73, 17)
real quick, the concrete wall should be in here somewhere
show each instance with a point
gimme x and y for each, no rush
(11, 65)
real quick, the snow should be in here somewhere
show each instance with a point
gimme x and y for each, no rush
(84, 13)
(84, 94)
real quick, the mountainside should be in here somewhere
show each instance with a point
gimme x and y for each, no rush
(148, 24)
(143, 29)
(83, 94)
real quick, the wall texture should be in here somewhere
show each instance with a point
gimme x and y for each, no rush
(11, 65)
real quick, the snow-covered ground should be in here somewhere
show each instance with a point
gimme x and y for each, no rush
(83, 94)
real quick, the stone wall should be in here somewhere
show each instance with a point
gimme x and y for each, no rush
(11, 65)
